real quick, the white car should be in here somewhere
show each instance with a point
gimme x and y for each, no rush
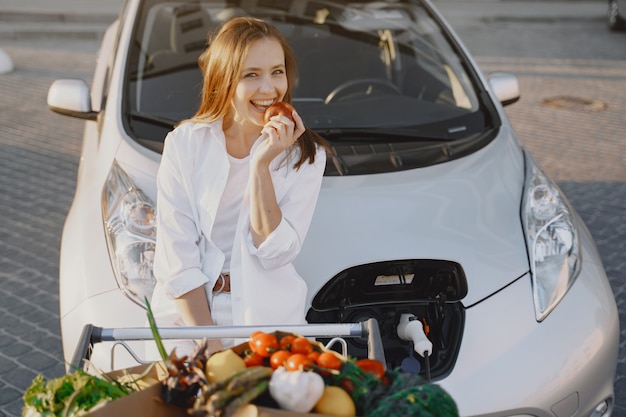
(430, 209)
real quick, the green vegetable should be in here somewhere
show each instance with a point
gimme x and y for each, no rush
(400, 394)
(427, 400)
(217, 398)
(244, 398)
(155, 332)
(249, 377)
(70, 395)
(364, 387)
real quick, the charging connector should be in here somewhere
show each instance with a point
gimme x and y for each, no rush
(411, 329)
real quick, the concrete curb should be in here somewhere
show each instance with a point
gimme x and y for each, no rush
(61, 17)
(54, 31)
(76, 26)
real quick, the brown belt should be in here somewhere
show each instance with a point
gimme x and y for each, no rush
(222, 284)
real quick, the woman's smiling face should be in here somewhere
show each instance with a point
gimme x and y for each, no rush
(263, 81)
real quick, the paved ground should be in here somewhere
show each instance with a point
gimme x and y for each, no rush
(584, 150)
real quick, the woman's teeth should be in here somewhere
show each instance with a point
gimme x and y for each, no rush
(263, 104)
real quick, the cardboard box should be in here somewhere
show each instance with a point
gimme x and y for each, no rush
(149, 403)
(145, 403)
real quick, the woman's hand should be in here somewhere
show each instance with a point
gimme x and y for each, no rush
(195, 311)
(265, 214)
(280, 134)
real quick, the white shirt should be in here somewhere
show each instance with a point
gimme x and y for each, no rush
(265, 287)
(227, 215)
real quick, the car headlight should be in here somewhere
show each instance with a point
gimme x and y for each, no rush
(130, 226)
(551, 238)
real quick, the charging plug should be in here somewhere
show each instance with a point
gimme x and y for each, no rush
(411, 329)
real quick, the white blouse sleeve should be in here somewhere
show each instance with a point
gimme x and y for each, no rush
(297, 206)
(177, 261)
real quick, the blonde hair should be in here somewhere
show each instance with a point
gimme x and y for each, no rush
(222, 63)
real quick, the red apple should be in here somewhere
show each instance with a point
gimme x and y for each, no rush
(279, 108)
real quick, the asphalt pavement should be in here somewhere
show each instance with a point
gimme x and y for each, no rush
(39, 153)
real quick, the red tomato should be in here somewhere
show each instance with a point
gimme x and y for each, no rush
(279, 358)
(279, 108)
(372, 366)
(301, 345)
(286, 341)
(329, 360)
(252, 359)
(313, 356)
(263, 344)
(298, 362)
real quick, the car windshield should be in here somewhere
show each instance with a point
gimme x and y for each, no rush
(381, 81)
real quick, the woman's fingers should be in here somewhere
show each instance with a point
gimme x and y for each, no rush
(281, 121)
(299, 129)
(286, 131)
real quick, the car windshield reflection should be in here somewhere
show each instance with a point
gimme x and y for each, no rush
(361, 66)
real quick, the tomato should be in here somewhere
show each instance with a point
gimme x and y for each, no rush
(313, 356)
(263, 344)
(279, 108)
(301, 345)
(286, 341)
(329, 360)
(279, 358)
(372, 366)
(298, 362)
(252, 359)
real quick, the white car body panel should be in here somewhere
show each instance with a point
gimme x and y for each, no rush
(496, 347)
(430, 222)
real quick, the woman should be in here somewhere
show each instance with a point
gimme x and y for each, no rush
(235, 195)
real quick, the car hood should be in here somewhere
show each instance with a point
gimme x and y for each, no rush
(466, 210)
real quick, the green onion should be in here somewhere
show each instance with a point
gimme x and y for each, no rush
(155, 332)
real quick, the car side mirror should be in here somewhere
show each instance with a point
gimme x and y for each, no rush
(505, 86)
(71, 97)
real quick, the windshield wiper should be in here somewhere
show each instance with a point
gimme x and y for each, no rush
(379, 135)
